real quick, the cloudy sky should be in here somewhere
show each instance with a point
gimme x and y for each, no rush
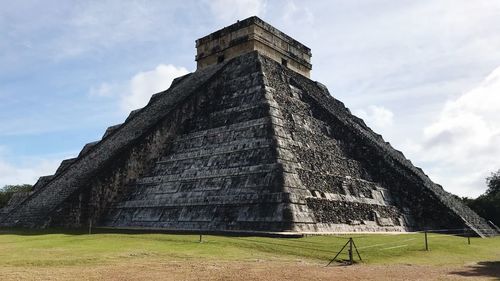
(425, 74)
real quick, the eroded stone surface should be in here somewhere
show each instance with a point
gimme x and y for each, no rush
(245, 145)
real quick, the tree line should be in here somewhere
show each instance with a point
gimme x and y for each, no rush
(7, 191)
(488, 204)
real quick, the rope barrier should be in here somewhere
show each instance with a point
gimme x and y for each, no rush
(385, 244)
(425, 243)
(451, 229)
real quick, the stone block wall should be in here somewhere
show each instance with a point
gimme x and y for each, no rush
(253, 34)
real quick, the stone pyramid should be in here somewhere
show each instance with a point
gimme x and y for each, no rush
(247, 143)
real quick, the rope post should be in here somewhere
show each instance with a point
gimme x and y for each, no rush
(351, 244)
(338, 253)
(201, 238)
(351, 261)
(357, 252)
(468, 236)
(426, 242)
(90, 226)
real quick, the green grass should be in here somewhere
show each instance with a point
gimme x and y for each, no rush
(55, 249)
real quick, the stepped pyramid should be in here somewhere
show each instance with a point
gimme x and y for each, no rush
(247, 143)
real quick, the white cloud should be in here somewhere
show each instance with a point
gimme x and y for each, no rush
(11, 174)
(144, 84)
(94, 26)
(462, 145)
(27, 172)
(103, 90)
(297, 14)
(378, 117)
(230, 10)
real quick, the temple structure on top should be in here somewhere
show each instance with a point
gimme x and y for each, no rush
(253, 34)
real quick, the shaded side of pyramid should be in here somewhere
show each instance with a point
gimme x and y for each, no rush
(82, 189)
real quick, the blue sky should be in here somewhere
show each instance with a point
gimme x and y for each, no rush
(425, 74)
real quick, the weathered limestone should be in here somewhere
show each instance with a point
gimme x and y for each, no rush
(65, 164)
(247, 144)
(113, 128)
(42, 181)
(86, 148)
(253, 34)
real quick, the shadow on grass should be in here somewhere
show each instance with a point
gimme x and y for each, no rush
(101, 230)
(295, 246)
(481, 269)
(33, 232)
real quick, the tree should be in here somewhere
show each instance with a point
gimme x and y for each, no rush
(493, 182)
(488, 204)
(7, 191)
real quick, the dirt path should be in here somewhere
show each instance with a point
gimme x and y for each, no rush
(258, 270)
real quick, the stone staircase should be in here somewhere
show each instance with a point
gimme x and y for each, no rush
(218, 172)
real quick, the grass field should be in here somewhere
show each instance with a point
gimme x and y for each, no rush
(24, 255)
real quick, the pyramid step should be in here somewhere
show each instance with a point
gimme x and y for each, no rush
(42, 181)
(250, 124)
(64, 165)
(212, 173)
(251, 95)
(227, 117)
(179, 79)
(132, 114)
(204, 144)
(241, 158)
(230, 199)
(174, 83)
(239, 109)
(217, 149)
(250, 183)
(494, 226)
(110, 130)
(87, 147)
(252, 129)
